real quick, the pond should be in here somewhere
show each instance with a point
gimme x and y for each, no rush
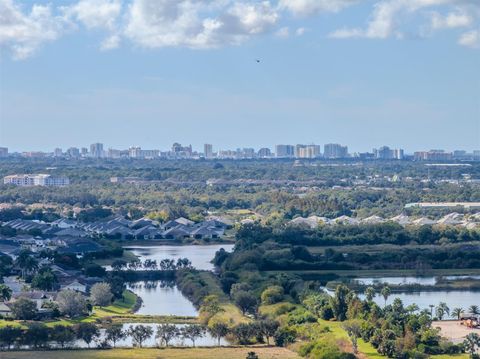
(410, 279)
(162, 298)
(454, 298)
(200, 256)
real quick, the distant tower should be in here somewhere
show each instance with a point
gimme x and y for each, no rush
(208, 150)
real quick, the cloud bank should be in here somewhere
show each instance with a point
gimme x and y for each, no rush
(206, 24)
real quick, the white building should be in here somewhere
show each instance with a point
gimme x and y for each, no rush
(36, 180)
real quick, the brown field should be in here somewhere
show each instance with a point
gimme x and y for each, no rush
(173, 353)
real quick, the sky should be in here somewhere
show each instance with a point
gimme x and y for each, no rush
(240, 73)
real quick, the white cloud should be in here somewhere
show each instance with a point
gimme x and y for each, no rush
(312, 7)
(452, 20)
(300, 31)
(111, 42)
(23, 33)
(470, 39)
(283, 32)
(389, 17)
(95, 13)
(197, 24)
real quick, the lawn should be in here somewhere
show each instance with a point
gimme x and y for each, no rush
(173, 353)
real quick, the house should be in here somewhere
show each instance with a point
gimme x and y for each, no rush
(452, 219)
(72, 232)
(80, 247)
(346, 220)
(178, 232)
(5, 310)
(205, 232)
(64, 223)
(76, 286)
(39, 297)
(148, 232)
(179, 221)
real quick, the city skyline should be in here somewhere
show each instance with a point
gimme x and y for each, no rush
(362, 73)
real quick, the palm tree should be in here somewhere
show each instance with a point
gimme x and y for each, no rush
(456, 313)
(5, 292)
(386, 291)
(474, 309)
(26, 262)
(442, 310)
(370, 293)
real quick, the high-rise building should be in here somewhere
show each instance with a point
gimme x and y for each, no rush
(96, 150)
(84, 151)
(3, 151)
(386, 153)
(208, 150)
(36, 180)
(334, 150)
(307, 151)
(284, 151)
(57, 152)
(73, 152)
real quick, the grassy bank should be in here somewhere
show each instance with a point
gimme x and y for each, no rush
(171, 353)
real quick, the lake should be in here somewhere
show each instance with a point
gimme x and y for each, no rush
(200, 256)
(410, 279)
(162, 298)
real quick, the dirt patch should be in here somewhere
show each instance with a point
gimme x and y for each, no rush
(453, 330)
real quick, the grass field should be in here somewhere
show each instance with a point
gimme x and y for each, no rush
(176, 353)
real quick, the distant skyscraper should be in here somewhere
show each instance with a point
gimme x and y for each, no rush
(307, 151)
(96, 150)
(208, 150)
(57, 152)
(73, 152)
(386, 153)
(334, 150)
(285, 151)
(84, 151)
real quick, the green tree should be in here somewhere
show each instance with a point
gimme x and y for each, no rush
(26, 262)
(24, 309)
(442, 310)
(471, 343)
(166, 332)
(5, 292)
(218, 330)
(339, 302)
(267, 328)
(140, 333)
(192, 332)
(386, 291)
(9, 335)
(354, 331)
(474, 309)
(272, 295)
(114, 333)
(457, 312)
(87, 332)
(45, 279)
(370, 293)
(246, 301)
(63, 335)
(36, 335)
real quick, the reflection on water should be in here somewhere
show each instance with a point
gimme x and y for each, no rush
(162, 298)
(456, 298)
(200, 256)
(411, 280)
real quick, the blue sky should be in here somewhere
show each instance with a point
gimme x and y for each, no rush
(404, 73)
